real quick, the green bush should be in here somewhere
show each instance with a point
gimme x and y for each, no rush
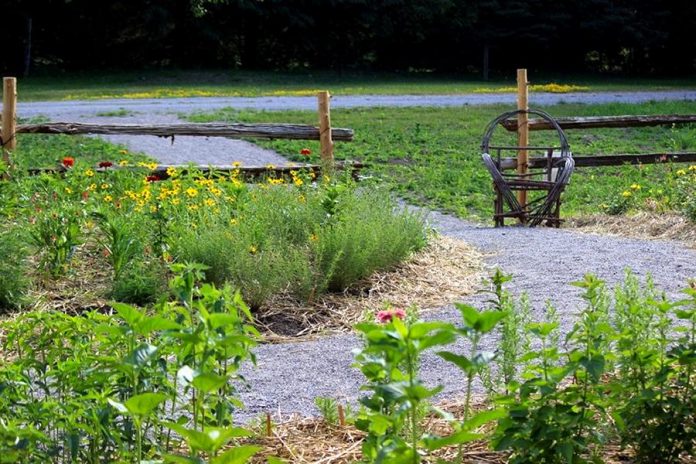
(13, 279)
(335, 236)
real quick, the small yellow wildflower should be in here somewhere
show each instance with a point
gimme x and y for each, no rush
(277, 181)
(171, 171)
(175, 201)
(105, 186)
(123, 163)
(233, 221)
(108, 198)
(216, 191)
(153, 208)
(270, 166)
(68, 190)
(151, 166)
(692, 167)
(252, 249)
(297, 181)
(209, 202)
(301, 199)
(635, 187)
(92, 187)
(193, 207)
(314, 237)
(626, 193)
(89, 173)
(236, 164)
(191, 192)
(681, 172)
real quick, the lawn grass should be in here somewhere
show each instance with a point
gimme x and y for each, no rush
(167, 84)
(431, 156)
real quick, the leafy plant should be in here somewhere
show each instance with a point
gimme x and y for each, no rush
(56, 234)
(13, 266)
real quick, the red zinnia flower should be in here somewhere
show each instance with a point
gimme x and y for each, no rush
(305, 152)
(105, 164)
(152, 178)
(386, 316)
(68, 161)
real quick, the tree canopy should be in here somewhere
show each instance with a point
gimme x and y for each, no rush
(626, 36)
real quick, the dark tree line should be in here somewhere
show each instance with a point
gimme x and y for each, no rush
(624, 36)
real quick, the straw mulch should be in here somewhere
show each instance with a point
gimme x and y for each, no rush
(445, 271)
(644, 225)
(312, 440)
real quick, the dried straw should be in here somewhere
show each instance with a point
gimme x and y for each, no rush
(644, 225)
(445, 271)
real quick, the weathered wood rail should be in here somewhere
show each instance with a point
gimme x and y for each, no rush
(606, 160)
(237, 130)
(596, 122)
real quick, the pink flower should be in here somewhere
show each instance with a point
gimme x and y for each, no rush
(386, 316)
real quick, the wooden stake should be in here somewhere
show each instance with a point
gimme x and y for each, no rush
(522, 130)
(341, 416)
(325, 139)
(269, 429)
(9, 117)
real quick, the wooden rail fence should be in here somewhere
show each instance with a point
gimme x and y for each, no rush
(324, 132)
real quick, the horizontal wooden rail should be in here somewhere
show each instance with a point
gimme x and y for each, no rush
(257, 131)
(607, 160)
(591, 122)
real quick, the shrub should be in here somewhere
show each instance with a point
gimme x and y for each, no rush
(13, 278)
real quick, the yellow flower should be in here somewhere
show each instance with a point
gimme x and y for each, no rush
(270, 166)
(635, 187)
(171, 171)
(209, 202)
(104, 186)
(89, 173)
(215, 191)
(191, 192)
(153, 208)
(68, 190)
(301, 199)
(92, 187)
(277, 181)
(252, 249)
(692, 167)
(297, 181)
(175, 201)
(236, 164)
(123, 163)
(681, 172)
(626, 193)
(193, 207)
(151, 166)
(123, 152)
(108, 198)
(233, 222)
(313, 237)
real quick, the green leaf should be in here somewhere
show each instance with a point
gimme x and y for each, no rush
(483, 418)
(594, 366)
(145, 403)
(207, 382)
(209, 440)
(470, 315)
(142, 355)
(460, 437)
(460, 361)
(238, 455)
(487, 320)
(275, 460)
(128, 313)
(156, 323)
(120, 407)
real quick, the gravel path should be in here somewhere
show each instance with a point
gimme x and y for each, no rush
(543, 261)
(76, 108)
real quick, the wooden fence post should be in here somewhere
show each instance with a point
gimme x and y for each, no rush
(9, 117)
(522, 131)
(325, 140)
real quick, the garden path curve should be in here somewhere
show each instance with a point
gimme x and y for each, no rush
(543, 261)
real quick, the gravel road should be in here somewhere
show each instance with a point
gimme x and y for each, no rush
(74, 108)
(543, 261)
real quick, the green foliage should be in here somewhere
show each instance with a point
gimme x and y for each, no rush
(431, 156)
(328, 407)
(13, 267)
(654, 388)
(141, 282)
(56, 234)
(136, 386)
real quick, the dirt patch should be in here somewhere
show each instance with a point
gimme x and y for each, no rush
(643, 225)
(445, 271)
